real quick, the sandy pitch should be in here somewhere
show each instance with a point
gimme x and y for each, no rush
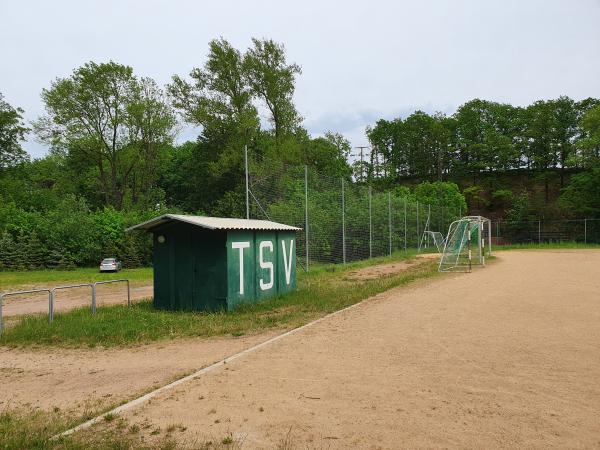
(506, 356)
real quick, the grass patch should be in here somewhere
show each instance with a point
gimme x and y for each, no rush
(546, 246)
(322, 291)
(34, 429)
(15, 280)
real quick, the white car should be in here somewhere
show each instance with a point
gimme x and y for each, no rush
(110, 265)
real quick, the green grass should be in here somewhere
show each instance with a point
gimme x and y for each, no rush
(15, 280)
(546, 246)
(322, 291)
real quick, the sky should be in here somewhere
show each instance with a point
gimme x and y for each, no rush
(361, 60)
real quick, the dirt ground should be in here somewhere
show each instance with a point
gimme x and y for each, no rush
(74, 298)
(83, 379)
(507, 356)
(378, 271)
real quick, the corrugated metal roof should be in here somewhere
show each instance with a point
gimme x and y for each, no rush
(214, 223)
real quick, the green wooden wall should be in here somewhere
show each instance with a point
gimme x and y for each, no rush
(260, 264)
(190, 268)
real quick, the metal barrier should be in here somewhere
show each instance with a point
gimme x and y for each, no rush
(109, 282)
(52, 295)
(70, 286)
(33, 291)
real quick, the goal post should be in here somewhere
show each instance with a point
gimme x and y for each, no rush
(465, 245)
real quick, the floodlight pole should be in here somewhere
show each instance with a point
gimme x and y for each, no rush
(343, 225)
(246, 168)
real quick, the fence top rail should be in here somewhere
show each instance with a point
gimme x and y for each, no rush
(535, 221)
(72, 286)
(31, 291)
(111, 281)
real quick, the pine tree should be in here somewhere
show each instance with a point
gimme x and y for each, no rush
(7, 251)
(35, 252)
(21, 260)
(131, 255)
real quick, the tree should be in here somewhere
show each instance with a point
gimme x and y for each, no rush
(581, 197)
(108, 117)
(12, 132)
(272, 79)
(218, 100)
(589, 141)
(485, 136)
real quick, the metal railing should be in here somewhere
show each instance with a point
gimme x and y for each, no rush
(108, 282)
(52, 296)
(31, 291)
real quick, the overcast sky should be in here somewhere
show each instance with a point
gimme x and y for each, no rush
(361, 60)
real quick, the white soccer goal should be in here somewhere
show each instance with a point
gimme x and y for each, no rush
(430, 238)
(465, 245)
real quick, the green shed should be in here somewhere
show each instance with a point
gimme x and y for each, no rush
(215, 263)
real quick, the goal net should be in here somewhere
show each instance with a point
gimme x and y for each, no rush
(465, 244)
(433, 238)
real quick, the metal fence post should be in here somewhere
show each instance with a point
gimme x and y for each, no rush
(418, 236)
(539, 232)
(390, 219)
(490, 239)
(247, 187)
(128, 294)
(405, 222)
(370, 226)
(343, 224)
(94, 299)
(51, 306)
(1, 302)
(306, 211)
(480, 242)
(585, 231)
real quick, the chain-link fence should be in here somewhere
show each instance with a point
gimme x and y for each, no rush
(586, 231)
(341, 220)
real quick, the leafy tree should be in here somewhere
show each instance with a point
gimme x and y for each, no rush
(219, 100)
(108, 117)
(589, 142)
(12, 132)
(272, 80)
(484, 134)
(581, 196)
(441, 193)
